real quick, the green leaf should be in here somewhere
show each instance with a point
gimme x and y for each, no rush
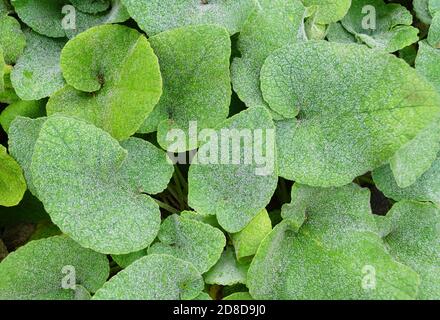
(7, 93)
(156, 16)
(421, 7)
(239, 296)
(194, 62)
(336, 254)
(328, 11)
(379, 25)
(3, 68)
(428, 63)
(273, 25)
(88, 6)
(12, 183)
(203, 296)
(227, 189)
(84, 21)
(227, 271)
(31, 109)
(83, 177)
(357, 108)
(247, 241)
(337, 33)
(117, 88)
(12, 39)
(415, 241)
(190, 240)
(205, 218)
(434, 32)
(37, 73)
(425, 188)
(124, 260)
(39, 269)
(154, 277)
(434, 7)
(43, 16)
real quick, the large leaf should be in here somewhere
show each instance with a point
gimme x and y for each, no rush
(235, 191)
(41, 268)
(116, 89)
(336, 254)
(190, 240)
(414, 239)
(155, 16)
(37, 73)
(194, 62)
(357, 107)
(380, 25)
(12, 183)
(273, 25)
(86, 181)
(154, 277)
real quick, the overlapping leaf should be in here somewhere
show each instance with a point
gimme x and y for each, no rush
(219, 186)
(50, 269)
(336, 254)
(116, 89)
(12, 40)
(154, 277)
(12, 183)
(357, 107)
(31, 109)
(227, 271)
(85, 180)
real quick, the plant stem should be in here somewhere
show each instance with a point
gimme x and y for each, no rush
(183, 183)
(177, 196)
(166, 207)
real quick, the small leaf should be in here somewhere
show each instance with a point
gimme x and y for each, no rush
(428, 63)
(154, 277)
(88, 6)
(117, 88)
(379, 25)
(329, 11)
(421, 7)
(12, 39)
(227, 271)
(80, 174)
(228, 189)
(434, 32)
(31, 109)
(336, 254)
(247, 241)
(37, 73)
(190, 240)
(39, 269)
(124, 260)
(415, 241)
(155, 16)
(239, 296)
(340, 134)
(12, 183)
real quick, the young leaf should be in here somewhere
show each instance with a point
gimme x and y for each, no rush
(12, 183)
(31, 109)
(336, 254)
(12, 39)
(50, 269)
(379, 25)
(194, 62)
(271, 26)
(247, 241)
(116, 89)
(414, 240)
(357, 108)
(155, 16)
(43, 16)
(425, 188)
(227, 271)
(154, 277)
(329, 11)
(190, 240)
(228, 189)
(37, 73)
(81, 175)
